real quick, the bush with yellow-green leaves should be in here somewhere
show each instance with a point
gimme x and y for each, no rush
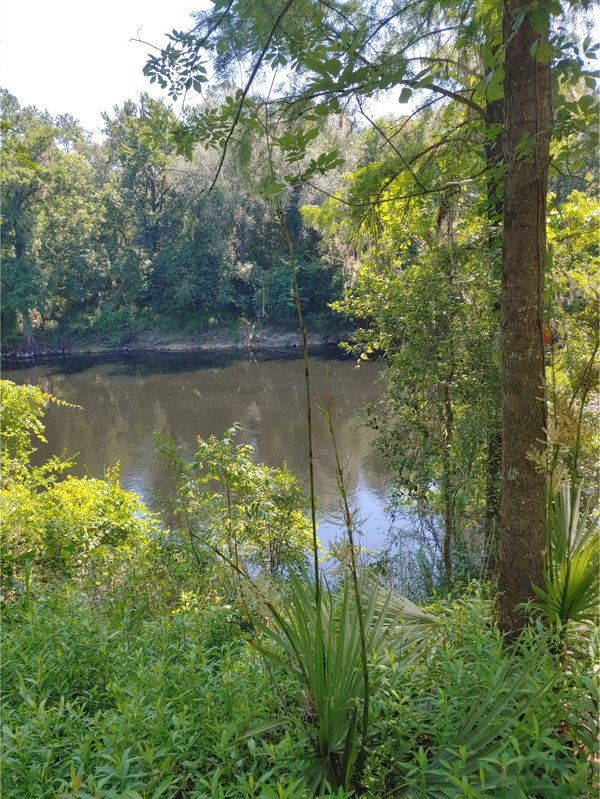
(52, 524)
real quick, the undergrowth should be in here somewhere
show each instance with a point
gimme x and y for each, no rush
(100, 701)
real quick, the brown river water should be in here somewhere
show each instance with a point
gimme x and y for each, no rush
(125, 400)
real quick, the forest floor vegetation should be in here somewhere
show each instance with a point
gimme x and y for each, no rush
(104, 698)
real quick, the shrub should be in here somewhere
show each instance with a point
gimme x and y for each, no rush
(98, 704)
(476, 718)
(251, 513)
(69, 527)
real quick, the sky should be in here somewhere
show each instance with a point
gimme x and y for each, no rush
(75, 56)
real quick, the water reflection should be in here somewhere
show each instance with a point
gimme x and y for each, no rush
(124, 401)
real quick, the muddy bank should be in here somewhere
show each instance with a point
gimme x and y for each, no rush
(246, 338)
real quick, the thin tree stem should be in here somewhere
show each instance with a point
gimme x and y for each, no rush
(348, 518)
(313, 504)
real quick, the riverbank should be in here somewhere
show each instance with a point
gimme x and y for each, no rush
(247, 337)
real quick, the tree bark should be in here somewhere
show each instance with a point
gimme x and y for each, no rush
(527, 129)
(29, 347)
(493, 494)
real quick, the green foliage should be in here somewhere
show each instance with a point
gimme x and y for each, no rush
(23, 408)
(461, 58)
(277, 291)
(572, 563)
(101, 239)
(97, 700)
(250, 512)
(324, 656)
(52, 209)
(475, 718)
(574, 340)
(104, 705)
(109, 701)
(424, 297)
(318, 286)
(64, 527)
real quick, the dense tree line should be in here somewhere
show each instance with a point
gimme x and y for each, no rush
(104, 241)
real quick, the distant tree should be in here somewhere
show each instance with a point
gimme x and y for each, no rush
(139, 203)
(28, 175)
(53, 264)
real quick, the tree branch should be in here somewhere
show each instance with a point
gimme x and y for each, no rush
(433, 87)
(249, 83)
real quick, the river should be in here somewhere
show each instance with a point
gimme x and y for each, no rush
(125, 400)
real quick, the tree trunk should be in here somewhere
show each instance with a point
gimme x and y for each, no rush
(527, 129)
(493, 495)
(29, 348)
(494, 152)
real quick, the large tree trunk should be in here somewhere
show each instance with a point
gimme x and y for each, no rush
(527, 129)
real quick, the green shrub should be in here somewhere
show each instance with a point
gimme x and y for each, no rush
(249, 512)
(474, 718)
(68, 527)
(572, 561)
(111, 704)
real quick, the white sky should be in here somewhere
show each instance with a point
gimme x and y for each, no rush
(75, 56)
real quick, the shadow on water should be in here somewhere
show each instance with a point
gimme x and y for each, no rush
(146, 364)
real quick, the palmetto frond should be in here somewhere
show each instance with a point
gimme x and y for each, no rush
(572, 561)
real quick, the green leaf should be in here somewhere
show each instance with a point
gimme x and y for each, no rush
(587, 102)
(275, 189)
(333, 66)
(487, 55)
(405, 95)
(518, 20)
(361, 75)
(315, 64)
(495, 84)
(542, 51)
(540, 20)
